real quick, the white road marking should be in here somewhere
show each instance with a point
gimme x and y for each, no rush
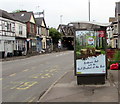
(25, 70)
(12, 74)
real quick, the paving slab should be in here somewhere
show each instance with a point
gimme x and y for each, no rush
(67, 90)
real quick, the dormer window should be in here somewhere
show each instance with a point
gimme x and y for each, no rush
(22, 15)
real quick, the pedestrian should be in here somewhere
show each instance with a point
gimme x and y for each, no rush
(59, 46)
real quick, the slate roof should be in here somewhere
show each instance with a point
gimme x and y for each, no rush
(5, 14)
(39, 21)
(22, 16)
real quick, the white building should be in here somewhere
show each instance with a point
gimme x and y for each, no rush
(20, 38)
(7, 34)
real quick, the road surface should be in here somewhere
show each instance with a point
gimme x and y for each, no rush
(25, 80)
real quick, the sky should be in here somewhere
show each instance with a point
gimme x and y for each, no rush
(64, 11)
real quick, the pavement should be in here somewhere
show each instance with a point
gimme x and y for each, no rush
(66, 89)
(27, 56)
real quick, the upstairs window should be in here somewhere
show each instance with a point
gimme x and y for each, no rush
(8, 26)
(32, 28)
(20, 30)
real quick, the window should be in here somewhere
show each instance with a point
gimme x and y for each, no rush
(20, 30)
(0, 32)
(13, 27)
(32, 28)
(0, 22)
(8, 26)
(116, 43)
(0, 28)
(3, 25)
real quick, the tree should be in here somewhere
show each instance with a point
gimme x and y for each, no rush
(55, 35)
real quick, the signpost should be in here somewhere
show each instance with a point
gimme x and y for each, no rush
(90, 53)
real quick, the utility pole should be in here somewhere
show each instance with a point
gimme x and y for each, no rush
(89, 9)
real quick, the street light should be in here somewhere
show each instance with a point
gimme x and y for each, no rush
(89, 9)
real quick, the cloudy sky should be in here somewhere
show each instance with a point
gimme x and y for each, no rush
(67, 10)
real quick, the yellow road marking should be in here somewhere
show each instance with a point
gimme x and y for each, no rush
(35, 76)
(16, 85)
(25, 70)
(52, 70)
(26, 85)
(12, 74)
(46, 75)
(1, 79)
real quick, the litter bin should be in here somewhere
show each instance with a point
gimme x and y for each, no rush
(90, 52)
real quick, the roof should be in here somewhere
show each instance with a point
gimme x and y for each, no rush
(39, 21)
(88, 25)
(22, 16)
(92, 23)
(5, 14)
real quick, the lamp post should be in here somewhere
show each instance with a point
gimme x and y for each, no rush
(89, 9)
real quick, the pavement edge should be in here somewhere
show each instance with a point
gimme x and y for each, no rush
(52, 86)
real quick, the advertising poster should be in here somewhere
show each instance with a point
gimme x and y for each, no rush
(90, 57)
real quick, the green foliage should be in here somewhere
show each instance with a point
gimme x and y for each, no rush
(78, 53)
(117, 55)
(55, 35)
(116, 58)
(102, 52)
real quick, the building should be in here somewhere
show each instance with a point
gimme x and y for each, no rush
(114, 29)
(28, 18)
(68, 36)
(43, 35)
(39, 35)
(20, 38)
(117, 15)
(7, 34)
(113, 33)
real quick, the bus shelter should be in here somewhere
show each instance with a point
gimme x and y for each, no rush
(90, 61)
